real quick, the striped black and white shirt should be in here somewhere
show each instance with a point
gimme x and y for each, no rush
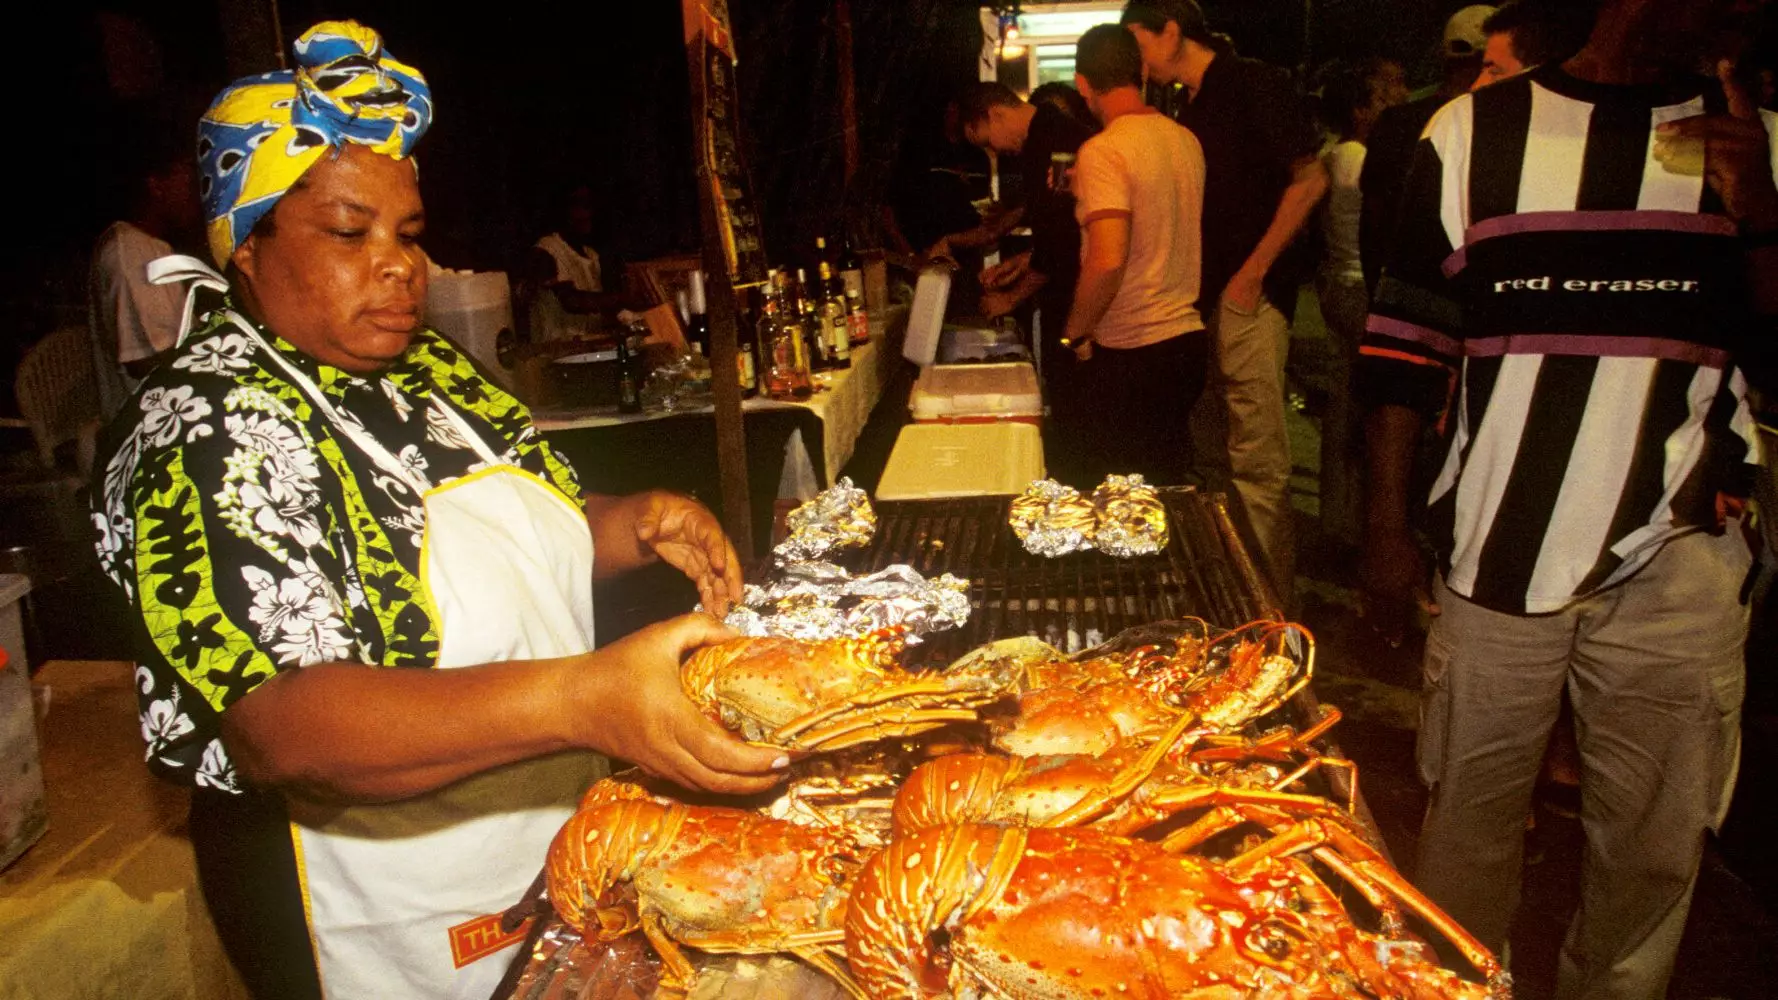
(1577, 311)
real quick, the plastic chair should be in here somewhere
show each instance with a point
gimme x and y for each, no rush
(58, 395)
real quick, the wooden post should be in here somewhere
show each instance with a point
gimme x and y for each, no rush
(842, 26)
(719, 282)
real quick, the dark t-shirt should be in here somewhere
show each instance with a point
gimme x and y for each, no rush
(1055, 236)
(1250, 121)
(1387, 155)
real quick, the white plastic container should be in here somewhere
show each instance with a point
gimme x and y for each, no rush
(473, 309)
(926, 317)
(961, 460)
(977, 394)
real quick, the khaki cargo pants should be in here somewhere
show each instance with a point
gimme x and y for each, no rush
(1654, 669)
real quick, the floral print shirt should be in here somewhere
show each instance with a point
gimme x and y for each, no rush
(251, 537)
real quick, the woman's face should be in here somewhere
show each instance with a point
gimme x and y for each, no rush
(340, 274)
(1158, 50)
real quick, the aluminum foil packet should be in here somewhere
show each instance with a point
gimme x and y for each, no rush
(1051, 519)
(1131, 520)
(819, 600)
(839, 517)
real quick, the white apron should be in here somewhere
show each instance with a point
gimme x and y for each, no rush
(395, 894)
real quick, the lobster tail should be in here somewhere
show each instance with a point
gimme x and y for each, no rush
(960, 788)
(598, 847)
(912, 895)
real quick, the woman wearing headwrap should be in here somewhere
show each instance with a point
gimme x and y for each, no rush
(315, 491)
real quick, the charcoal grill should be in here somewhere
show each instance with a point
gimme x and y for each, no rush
(1074, 601)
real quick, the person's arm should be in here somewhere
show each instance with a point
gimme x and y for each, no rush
(986, 233)
(1407, 358)
(539, 269)
(1308, 184)
(1739, 155)
(1107, 249)
(633, 531)
(343, 733)
(253, 625)
(1001, 301)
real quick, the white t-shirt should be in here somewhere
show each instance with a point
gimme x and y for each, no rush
(1339, 214)
(1151, 169)
(140, 318)
(549, 321)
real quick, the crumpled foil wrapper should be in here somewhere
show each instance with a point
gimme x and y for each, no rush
(818, 600)
(839, 517)
(1132, 521)
(561, 965)
(1051, 519)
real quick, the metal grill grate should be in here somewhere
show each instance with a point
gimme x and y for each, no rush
(1074, 601)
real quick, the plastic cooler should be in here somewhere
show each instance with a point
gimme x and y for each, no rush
(977, 394)
(967, 393)
(961, 460)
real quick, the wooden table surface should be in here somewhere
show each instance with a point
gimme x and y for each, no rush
(107, 903)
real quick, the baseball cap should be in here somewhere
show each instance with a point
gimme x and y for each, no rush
(1463, 32)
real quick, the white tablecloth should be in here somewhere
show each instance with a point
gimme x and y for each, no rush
(843, 403)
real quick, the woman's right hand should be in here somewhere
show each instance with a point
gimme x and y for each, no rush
(628, 703)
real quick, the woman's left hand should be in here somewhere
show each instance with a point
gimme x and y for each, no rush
(685, 535)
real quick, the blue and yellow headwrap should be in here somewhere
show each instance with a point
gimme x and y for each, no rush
(263, 132)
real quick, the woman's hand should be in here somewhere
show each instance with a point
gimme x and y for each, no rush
(686, 536)
(634, 531)
(629, 704)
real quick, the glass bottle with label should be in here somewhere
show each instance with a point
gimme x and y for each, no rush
(857, 320)
(746, 345)
(782, 341)
(820, 350)
(835, 325)
(629, 375)
(851, 272)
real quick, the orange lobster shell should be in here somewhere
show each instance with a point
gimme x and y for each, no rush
(1060, 914)
(712, 878)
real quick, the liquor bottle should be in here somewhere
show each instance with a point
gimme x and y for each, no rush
(820, 349)
(698, 322)
(857, 319)
(746, 346)
(834, 323)
(629, 376)
(781, 343)
(852, 272)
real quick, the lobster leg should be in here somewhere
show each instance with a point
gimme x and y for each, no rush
(883, 723)
(677, 972)
(810, 946)
(1210, 824)
(1313, 833)
(941, 689)
(1094, 803)
(824, 962)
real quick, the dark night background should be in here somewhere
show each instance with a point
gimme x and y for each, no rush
(532, 94)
